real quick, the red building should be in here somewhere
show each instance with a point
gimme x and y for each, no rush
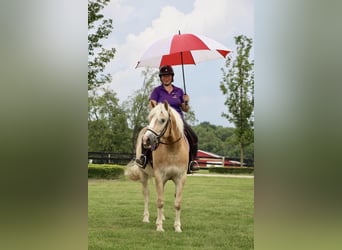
(207, 159)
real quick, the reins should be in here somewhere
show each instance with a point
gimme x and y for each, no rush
(165, 143)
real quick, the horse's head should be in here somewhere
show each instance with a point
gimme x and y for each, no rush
(159, 119)
(166, 123)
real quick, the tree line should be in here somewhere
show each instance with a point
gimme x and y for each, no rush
(114, 127)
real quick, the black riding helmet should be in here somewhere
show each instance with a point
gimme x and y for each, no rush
(166, 70)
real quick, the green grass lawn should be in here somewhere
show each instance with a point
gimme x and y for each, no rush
(217, 213)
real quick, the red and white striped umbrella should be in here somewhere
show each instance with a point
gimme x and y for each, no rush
(182, 49)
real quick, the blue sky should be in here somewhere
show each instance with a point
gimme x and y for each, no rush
(137, 24)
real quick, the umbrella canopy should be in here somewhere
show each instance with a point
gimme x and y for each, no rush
(182, 49)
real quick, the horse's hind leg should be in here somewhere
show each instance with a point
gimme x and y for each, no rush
(146, 193)
(179, 188)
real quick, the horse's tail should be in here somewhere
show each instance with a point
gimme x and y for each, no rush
(133, 172)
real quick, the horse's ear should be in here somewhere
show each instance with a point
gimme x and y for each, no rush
(152, 104)
(166, 105)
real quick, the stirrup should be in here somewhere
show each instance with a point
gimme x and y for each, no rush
(142, 161)
(192, 167)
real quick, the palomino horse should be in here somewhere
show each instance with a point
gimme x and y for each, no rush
(170, 153)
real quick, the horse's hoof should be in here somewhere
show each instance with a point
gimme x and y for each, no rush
(178, 229)
(160, 229)
(146, 217)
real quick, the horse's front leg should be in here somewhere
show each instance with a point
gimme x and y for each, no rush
(179, 188)
(146, 193)
(160, 203)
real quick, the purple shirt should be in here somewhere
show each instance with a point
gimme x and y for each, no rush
(175, 98)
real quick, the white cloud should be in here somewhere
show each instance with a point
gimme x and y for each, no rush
(127, 81)
(219, 18)
(120, 12)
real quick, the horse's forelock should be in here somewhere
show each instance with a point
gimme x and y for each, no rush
(160, 109)
(157, 110)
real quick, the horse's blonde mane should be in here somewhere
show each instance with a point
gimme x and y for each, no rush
(160, 109)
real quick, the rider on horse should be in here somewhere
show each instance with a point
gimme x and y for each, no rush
(180, 102)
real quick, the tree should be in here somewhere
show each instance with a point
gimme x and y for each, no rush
(99, 28)
(215, 139)
(238, 87)
(107, 123)
(136, 106)
(190, 117)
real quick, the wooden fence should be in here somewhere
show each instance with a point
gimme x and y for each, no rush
(125, 158)
(110, 158)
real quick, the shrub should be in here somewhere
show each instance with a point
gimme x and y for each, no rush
(102, 171)
(232, 170)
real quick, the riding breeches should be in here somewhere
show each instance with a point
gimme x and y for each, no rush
(193, 141)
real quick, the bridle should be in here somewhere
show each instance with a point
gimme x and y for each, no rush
(161, 134)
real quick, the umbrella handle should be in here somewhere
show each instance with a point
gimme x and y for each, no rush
(183, 72)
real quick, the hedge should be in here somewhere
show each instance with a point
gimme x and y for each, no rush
(232, 170)
(102, 171)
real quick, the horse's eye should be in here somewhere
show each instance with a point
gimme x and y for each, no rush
(162, 120)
